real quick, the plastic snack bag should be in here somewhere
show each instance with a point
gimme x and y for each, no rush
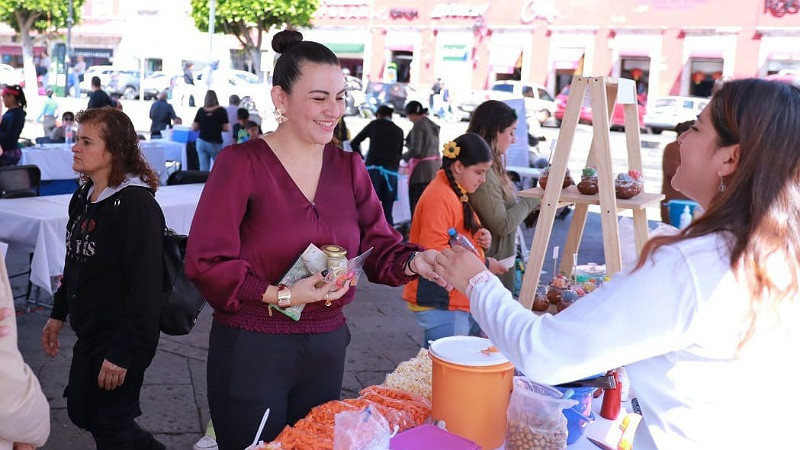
(353, 272)
(363, 430)
(535, 418)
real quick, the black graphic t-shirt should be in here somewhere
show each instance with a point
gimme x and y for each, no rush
(112, 283)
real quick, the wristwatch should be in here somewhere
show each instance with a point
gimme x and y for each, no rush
(284, 296)
(479, 278)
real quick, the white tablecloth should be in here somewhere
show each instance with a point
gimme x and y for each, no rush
(55, 160)
(39, 224)
(401, 211)
(173, 151)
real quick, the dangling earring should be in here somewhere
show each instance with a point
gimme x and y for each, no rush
(279, 117)
(721, 184)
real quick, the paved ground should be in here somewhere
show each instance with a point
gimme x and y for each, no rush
(174, 393)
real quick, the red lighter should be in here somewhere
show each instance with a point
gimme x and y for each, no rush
(612, 399)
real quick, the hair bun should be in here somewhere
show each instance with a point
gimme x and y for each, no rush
(286, 39)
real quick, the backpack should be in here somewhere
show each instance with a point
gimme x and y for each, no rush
(182, 302)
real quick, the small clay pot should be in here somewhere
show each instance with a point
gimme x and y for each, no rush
(588, 186)
(554, 295)
(540, 304)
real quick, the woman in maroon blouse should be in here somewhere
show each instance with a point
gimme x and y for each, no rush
(265, 201)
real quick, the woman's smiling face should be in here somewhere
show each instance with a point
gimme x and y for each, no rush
(316, 102)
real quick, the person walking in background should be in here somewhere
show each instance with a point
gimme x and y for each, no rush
(495, 201)
(265, 201)
(112, 284)
(98, 97)
(76, 76)
(436, 89)
(48, 114)
(670, 161)
(211, 120)
(704, 312)
(59, 134)
(423, 151)
(445, 205)
(24, 412)
(12, 124)
(162, 115)
(229, 137)
(253, 130)
(383, 157)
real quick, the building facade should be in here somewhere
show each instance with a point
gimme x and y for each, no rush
(671, 47)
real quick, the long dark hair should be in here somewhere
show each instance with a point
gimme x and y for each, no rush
(760, 206)
(294, 51)
(472, 149)
(119, 135)
(488, 120)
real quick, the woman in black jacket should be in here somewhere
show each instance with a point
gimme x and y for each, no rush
(112, 284)
(12, 124)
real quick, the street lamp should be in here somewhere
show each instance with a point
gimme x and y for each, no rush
(67, 56)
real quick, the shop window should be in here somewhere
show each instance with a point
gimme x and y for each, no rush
(563, 78)
(703, 73)
(402, 61)
(783, 65)
(638, 70)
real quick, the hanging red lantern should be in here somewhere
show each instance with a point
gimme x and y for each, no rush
(716, 76)
(698, 77)
(637, 73)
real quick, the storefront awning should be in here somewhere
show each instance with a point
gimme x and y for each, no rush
(505, 59)
(343, 48)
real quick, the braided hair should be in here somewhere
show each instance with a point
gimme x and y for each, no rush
(469, 149)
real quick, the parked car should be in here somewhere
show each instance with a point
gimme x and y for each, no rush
(395, 94)
(666, 112)
(125, 83)
(158, 81)
(225, 82)
(616, 121)
(538, 102)
(102, 72)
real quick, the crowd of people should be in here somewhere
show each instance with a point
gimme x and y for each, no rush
(703, 313)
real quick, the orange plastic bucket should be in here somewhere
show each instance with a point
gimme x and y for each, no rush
(471, 389)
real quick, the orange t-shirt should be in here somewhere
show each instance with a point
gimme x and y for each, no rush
(438, 210)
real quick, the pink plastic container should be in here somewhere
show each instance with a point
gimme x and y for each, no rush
(430, 437)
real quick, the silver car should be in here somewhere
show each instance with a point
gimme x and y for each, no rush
(667, 112)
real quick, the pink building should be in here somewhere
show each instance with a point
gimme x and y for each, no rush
(672, 47)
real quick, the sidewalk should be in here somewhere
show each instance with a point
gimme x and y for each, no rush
(384, 333)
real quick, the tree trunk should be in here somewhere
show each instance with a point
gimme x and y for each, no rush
(29, 70)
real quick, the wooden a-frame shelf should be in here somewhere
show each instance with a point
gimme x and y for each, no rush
(602, 93)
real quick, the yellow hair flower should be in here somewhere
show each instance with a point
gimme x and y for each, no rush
(451, 150)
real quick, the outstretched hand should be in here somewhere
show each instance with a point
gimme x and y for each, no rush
(457, 265)
(423, 264)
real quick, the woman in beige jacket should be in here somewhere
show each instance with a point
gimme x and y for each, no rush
(24, 412)
(495, 203)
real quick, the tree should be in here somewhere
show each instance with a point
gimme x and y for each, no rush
(40, 16)
(248, 20)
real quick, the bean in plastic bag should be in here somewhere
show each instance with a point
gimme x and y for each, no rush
(361, 430)
(535, 418)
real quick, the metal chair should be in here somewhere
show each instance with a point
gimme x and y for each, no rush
(20, 181)
(187, 177)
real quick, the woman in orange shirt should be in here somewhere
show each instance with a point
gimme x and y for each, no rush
(443, 205)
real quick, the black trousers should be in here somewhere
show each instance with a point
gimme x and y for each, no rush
(386, 191)
(108, 415)
(415, 191)
(249, 372)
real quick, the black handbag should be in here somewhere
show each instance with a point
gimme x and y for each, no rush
(182, 301)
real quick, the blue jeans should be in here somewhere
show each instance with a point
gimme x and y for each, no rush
(438, 324)
(206, 152)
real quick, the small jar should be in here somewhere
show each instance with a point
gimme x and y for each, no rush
(337, 260)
